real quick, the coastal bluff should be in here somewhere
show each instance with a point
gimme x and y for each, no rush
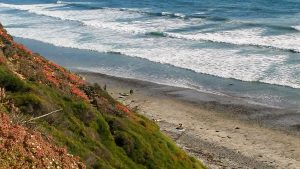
(100, 131)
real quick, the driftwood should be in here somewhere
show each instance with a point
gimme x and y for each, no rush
(123, 94)
(36, 118)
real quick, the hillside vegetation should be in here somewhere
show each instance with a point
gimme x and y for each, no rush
(92, 125)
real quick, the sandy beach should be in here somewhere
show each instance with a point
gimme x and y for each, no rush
(222, 132)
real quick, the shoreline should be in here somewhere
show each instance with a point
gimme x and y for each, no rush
(218, 131)
(252, 113)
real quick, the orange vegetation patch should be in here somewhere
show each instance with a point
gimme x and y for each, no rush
(123, 109)
(74, 78)
(47, 68)
(21, 148)
(51, 72)
(2, 60)
(51, 68)
(23, 48)
(4, 34)
(76, 91)
(38, 59)
(57, 66)
(50, 77)
(58, 76)
(15, 56)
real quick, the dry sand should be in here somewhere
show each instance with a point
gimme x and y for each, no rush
(218, 135)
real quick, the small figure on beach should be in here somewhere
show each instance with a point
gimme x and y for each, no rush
(104, 87)
(179, 127)
(131, 91)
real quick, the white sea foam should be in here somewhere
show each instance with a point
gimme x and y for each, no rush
(252, 37)
(285, 75)
(99, 19)
(64, 2)
(113, 35)
(30, 7)
(180, 15)
(297, 27)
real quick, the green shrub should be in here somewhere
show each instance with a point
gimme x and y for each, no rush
(28, 103)
(10, 82)
(83, 112)
(124, 140)
(9, 50)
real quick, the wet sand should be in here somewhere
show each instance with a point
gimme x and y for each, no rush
(222, 132)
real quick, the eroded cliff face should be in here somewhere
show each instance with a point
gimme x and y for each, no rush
(91, 124)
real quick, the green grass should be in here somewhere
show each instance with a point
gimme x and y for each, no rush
(11, 82)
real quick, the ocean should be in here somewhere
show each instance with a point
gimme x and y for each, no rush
(246, 49)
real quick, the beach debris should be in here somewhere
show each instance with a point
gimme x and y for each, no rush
(131, 91)
(124, 94)
(180, 127)
(156, 120)
(217, 131)
(237, 128)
